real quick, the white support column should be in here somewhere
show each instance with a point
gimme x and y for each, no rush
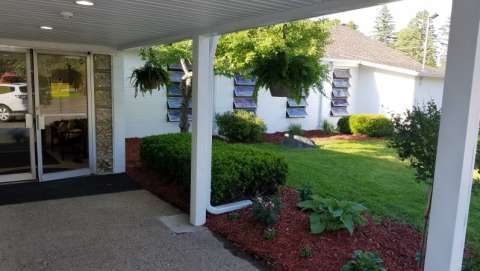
(202, 109)
(457, 141)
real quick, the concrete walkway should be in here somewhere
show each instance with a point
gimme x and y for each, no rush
(116, 231)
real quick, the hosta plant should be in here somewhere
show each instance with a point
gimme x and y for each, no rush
(328, 214)
(266, 210)
(364, 261)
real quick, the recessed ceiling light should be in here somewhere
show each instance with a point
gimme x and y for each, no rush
(84, 3)
(46, 27)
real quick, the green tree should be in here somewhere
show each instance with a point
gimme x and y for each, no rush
(237, 51)
(443, 37)
(411, 39)
(384, 26)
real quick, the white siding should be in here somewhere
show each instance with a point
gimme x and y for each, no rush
(428, 89)
(145, 114)
(383, 92)
(372, 91)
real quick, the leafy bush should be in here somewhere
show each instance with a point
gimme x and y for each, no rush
(343, 125)
(305, 192)
(266, 210)
(297, 73)
(269, 233)
(371, 125)
(241, 126)
(415, 138)
(238, 171)
(295, 129)
(328, 128)
(306, 251)
(149, 77)
(364, 261)
(331, 214)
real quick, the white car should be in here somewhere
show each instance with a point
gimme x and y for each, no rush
(13, 100)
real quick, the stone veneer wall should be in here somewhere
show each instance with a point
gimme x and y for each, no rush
(102, 69)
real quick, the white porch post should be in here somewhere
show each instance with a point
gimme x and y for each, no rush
(457, 141)
(202, 109)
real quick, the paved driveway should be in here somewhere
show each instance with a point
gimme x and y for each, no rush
(115, 231)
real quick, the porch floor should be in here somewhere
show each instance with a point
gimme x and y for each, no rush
(109, 231)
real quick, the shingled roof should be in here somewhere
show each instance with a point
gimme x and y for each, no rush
(348, 44)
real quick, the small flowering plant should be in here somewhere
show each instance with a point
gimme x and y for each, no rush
(266, 210)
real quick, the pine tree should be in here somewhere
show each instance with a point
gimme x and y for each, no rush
(411, 39)
(384, 26)
(444, 33)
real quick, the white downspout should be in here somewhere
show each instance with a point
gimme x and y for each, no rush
(229, 207)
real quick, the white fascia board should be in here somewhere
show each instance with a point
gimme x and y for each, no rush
(309, 11)
(389, 68)
(346, 63)
(44, 45)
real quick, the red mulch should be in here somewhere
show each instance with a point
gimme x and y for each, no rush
(396, 243)
(150, 180)
(315, 134)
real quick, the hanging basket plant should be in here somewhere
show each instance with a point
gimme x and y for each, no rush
(149, 77)
(289, 75)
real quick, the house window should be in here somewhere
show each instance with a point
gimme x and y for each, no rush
(174, 94)
(243, 94)
(296, 109)
(340, 93)
(296, 112)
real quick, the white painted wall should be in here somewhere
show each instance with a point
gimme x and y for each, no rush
(145, 114)
(383, 92)
(428, 89)
(373, 90)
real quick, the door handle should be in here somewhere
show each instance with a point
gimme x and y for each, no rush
(28, 121)
(41, 122)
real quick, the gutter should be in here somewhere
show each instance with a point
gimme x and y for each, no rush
(228, 207)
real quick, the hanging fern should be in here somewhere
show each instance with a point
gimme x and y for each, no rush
(297, 73)
(149, 77)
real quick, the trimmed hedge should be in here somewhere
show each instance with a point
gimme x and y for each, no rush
(366, 124)
(238, 171)
(241, 126)
(343, 125)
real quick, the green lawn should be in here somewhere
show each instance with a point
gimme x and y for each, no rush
(370, 173)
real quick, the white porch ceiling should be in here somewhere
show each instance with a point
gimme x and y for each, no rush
(122, 24)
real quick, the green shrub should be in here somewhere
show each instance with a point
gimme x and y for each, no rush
(305, 192)
(332, 214)
(238, 171)
(371, 125)
(241, 126)
(343, 125)
(328, 128)
(295, 129)
(364, 261)
(266, 210)
(415, 138)
(269, 233)
(306, 251)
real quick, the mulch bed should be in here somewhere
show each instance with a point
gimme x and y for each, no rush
(396, 243)
(315, 134)
(150, 180)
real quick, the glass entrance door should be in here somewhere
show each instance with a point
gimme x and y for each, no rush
(61, 97)
(17, 158)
